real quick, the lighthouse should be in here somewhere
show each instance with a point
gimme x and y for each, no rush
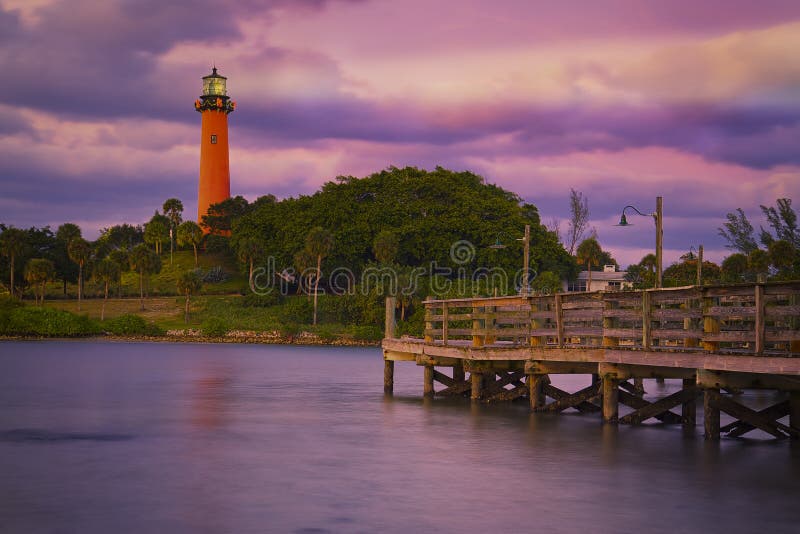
(214, 105)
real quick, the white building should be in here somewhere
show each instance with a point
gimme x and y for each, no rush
(609, 279)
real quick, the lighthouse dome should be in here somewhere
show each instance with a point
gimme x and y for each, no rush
(214, 84)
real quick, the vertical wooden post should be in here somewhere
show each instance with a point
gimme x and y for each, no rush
(689, 408)
(535, 323)
(427, 389)
(610, 399)
(659, 239)
(445, 320)
(700, 265)
(428, 322)
(476, 380)
(391, 304)
(477, 335)
(688, 323)
(536, 394)
(760, 319)
(609, 323)
(559, 320)
(647, 315)
(711, 413)
(458, 372)
(388, 376)
(794, 410)
(710, 325)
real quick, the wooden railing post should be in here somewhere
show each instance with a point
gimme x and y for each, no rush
(445, 321)
(760, 319)
(710, 325)
(428, 322)
(608, 324)
(391, 323)
(477, 335)
(647, 318)
(559, 320)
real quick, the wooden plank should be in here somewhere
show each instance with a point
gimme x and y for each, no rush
(674, 314)
(760, 319)
(628, 333)
(574, 331)
(772, 334)
(729, 335)
(674, 333)
(636, 402)
(445, 323)
(559, 320)
(783, 311)
(630, 315)
(583, 314)
(663, 295)
(782, 288)
(647, 320)
(542, 367)
(583, 304)
(728, 291)
(737, 380)
(731, 311)
(543, 315)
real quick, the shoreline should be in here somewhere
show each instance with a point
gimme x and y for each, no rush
(304, 339)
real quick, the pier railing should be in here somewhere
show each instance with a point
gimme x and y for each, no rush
(753, 319)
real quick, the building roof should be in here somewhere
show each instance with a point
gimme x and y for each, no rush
(600, 275)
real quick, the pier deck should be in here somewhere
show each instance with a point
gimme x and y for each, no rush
(718, 340)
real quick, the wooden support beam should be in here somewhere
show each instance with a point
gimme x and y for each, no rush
(559, 395)
(390, 323)
(661, 407)
(438, 361)
(610, 399)
(476, 380)
(710, 325)
(559, 319)
(573, 400)
(609, 323)
(748, 415)
(506, 378)
(388, 377)
(689, 406)
(544, 367)
(647, 320)
(487, 366)
(739, 428)
(626, 397)
(794, 410)
(760, 326)
(711, 413)
(396, 356)
(428, 390)
(536, 394)
(734, 381)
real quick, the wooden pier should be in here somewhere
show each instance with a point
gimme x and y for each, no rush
(718, 340)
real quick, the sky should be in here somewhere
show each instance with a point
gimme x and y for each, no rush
(623, 100)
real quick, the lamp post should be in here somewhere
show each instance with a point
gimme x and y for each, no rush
(526, 258)
(658, 217)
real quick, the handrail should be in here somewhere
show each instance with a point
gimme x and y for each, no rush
(751, 319)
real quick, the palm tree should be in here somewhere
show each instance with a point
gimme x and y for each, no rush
(79, 251)
(65, 235)
(649, 262)
(38, 272)
(120, 257)
(319, 243)
(250, 251)
(108, 272)
(154, 233)
(589, 252)
(12, 246)
(190, 233)
(189, 283)
(173, 208)
(145, 262)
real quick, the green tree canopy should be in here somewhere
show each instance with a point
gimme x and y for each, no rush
(190, 233)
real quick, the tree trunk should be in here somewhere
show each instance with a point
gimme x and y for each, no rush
(11, 291)
(589, 283)
(65, 286)
(103, 309)
(186, 311)
(195, 255)
(43, 286)
(316, 286)
(250, 278)
(80, 284)
(141, 291)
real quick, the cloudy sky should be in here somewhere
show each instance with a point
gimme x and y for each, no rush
(622, 99)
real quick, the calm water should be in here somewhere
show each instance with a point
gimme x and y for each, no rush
(129, 437)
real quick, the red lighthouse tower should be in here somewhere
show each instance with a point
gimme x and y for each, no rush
(214, 106)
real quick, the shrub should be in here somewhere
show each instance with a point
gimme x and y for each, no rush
(28, 321)
(217, 244)
(326, 332)
(130, 324)
(214, 327)
(215, 275)
(414, 325)
(252, 300)
(297, 310)
(366, 333)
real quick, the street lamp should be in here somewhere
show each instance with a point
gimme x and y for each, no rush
(658, 217)
(526, 241)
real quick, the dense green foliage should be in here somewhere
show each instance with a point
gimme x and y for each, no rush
(47, 322)
(131, 325)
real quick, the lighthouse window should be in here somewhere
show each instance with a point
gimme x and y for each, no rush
(213, 139)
